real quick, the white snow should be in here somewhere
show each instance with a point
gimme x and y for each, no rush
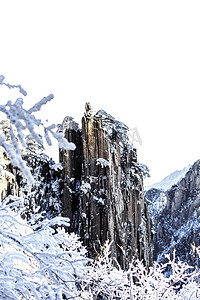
(57, 166)
(103, 162)
(20, 120)
(85, 187)
(169, 180)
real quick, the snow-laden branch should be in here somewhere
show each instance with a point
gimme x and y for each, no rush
(21, 90)
(39, 104)
(22, 120)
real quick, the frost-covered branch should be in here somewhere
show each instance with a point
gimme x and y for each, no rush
(22, 120)
(38, 264)
(47, 263)
(21, 90)
(172, 280)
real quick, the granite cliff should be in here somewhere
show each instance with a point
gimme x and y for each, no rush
(99, 187)
(103, 187)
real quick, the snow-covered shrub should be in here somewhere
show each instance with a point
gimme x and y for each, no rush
(105, 278)
(162, 281)
(171, 280)
(38, 263)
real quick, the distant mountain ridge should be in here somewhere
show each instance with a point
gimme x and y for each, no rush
(169, 180)
(175, 215)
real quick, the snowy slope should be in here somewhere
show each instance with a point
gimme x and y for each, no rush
(169, 180)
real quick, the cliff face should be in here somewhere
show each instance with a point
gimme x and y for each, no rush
(176, 222)
(99, 186)
(103, 187)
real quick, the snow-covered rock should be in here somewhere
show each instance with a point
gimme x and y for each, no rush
(105, 200)
(175, 214)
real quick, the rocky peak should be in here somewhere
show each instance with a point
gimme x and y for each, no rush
(103, 188)
(99, 186)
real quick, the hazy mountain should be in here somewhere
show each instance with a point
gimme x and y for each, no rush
(169, 180)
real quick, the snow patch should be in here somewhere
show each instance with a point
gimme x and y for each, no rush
(85, 187)
(103, 162)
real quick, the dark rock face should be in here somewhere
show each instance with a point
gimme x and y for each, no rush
(71, 162)
(99, 186)
(176, 217)
(103, 187)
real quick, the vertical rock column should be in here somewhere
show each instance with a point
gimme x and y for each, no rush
(72, 171)
(109, 204)
(94, 185)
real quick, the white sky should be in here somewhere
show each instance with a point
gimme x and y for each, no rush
(138, 60)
